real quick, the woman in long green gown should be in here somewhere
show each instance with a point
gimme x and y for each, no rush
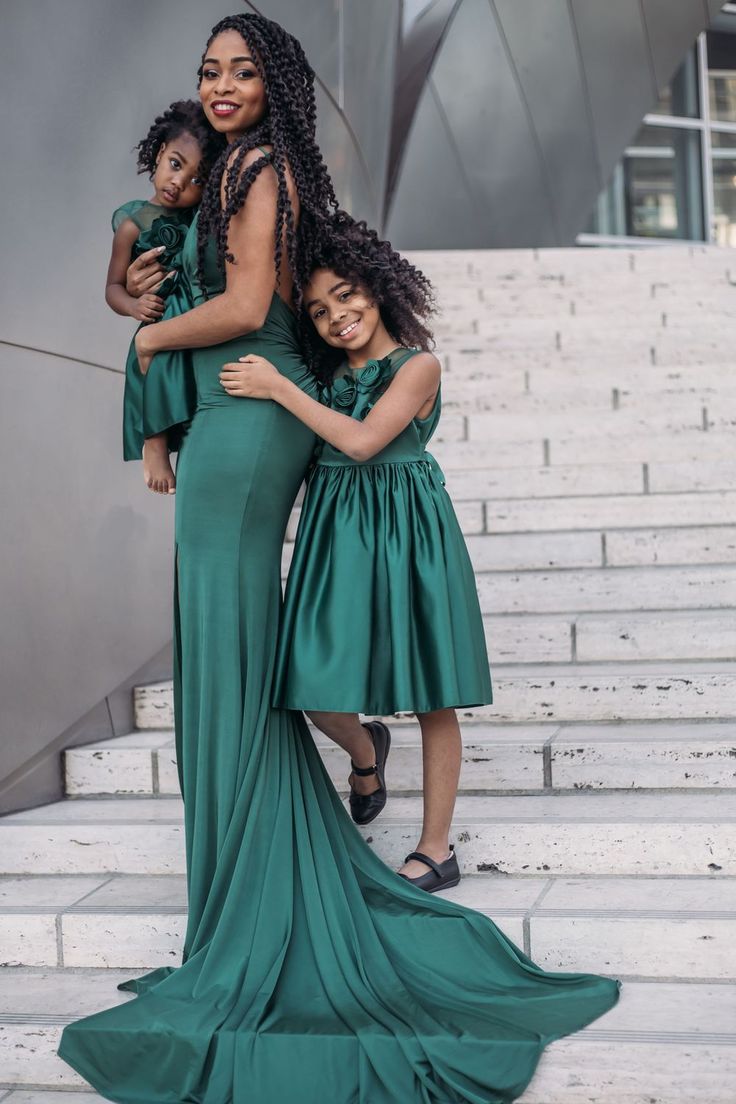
(310, 970)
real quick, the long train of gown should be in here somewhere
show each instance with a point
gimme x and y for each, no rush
(310, 971)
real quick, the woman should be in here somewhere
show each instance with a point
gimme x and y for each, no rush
(311, 971)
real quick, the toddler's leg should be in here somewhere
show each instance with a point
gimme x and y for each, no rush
(347, 731)
(441, 759)
(157, 470)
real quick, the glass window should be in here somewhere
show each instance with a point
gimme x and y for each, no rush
(724, 188)
(681, 96)
(722, 77)
(662, 184)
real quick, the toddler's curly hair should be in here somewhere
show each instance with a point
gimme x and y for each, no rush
(403, 294)
(181, 117)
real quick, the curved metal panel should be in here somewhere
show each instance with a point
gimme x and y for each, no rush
(539, 100)
(668, 26)
(548, 70)
(618, 72)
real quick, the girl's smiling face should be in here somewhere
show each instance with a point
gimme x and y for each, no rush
(177, 181)
(231, 89)
(342, 311)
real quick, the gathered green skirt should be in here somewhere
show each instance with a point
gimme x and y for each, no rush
(381, 613)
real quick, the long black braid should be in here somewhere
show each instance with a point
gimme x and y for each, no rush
(181, 117)
(403, 294)
(290, 128)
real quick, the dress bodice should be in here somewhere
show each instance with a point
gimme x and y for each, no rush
(356, 391)
(277, 339)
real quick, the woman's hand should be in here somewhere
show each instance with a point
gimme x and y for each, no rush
(145, 273)
(142, 351)
(252, 377)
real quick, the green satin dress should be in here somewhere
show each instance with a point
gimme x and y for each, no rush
(164, 400)
(311, 972)
(381, 540)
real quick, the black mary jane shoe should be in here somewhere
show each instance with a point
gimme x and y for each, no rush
(365, 807)
(439, 876)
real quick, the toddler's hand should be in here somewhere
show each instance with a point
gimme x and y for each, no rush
(252, 377)
(148, 308)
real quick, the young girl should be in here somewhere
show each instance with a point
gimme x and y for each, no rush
(381, 613)
(177, 153)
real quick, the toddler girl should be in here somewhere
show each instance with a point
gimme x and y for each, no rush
(177, 153)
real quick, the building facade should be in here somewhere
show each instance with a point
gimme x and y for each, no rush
(677, 179)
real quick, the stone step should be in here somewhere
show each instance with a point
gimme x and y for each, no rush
(537, 447)
(572, 480)
(626, 834)
(610, 588)
(544, 482)
(612, 424)
(574, 692)
(680, 928)
(667, 1041)
(496, 758)
(606, 512)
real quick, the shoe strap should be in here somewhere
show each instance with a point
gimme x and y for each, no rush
(363, 772)
(426, 860)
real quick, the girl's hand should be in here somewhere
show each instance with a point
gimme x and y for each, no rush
(145, 273)
(252, 377)
(144, 355)
(148, 308)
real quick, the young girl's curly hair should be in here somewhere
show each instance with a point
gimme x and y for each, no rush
(181, 117)
(403, 294)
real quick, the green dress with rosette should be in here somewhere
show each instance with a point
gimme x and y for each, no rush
(379, 546)
(165, 398)
(310, 971)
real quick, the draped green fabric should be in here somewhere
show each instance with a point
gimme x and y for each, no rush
(165, 398)
(310, 970)
(381, 540)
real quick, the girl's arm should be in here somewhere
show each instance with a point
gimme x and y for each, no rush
(250, 283)
(413, 387)
(147, 308)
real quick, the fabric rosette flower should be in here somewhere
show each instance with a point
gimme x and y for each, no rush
(374, 373)
(170, 232)
(344, 393)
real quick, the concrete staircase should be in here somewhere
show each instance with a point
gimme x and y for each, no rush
(589, 444)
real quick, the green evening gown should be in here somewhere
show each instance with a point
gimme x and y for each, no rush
(381, 540)
(311, 972)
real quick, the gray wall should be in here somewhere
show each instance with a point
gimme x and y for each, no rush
(513, 113)
(85, 560)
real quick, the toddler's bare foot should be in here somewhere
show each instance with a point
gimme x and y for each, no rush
(157, 470)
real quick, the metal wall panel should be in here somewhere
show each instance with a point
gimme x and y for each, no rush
(540, 108)
(618, 72)
(668, 26)
(434, 183)
(557, 107)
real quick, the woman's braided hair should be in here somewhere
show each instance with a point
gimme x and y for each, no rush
(289, 126)
(181, 117)
(403, 294)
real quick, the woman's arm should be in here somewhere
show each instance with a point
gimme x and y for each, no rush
(147, 307)
(413, 387)
(250, 282)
